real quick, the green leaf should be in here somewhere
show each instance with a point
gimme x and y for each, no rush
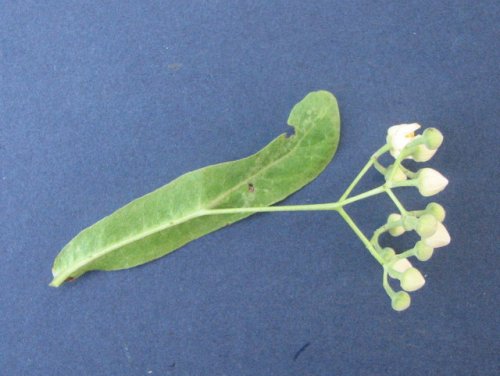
(173, 215)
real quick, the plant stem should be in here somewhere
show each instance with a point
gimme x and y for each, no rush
(406, 254)
(408, 173)
(404, 183)
(377, 233)
(378, 166)
(363, 171)
(310, 207)
(397, 162)
(396, 201)
(362, 236)
(385, 282)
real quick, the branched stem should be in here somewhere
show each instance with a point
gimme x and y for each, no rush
(363, 171)
(378, 166)
(377, 233)
(287, 208)
(362, 236)
(337, 206)
(396, 201)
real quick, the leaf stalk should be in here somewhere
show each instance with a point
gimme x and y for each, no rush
(337, 206)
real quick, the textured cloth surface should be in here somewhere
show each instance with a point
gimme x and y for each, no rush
(102, 102)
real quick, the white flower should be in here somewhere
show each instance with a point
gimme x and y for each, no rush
(412, 280)
(440, 238)
(430, 182)
(398, 136)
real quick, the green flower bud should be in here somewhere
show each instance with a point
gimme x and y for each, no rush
(400, 301)
(387, 254)
(396, 230)
(412, 280)
(433, 138)
(436, 210)
(410, 222)
(423, 252)
(422, 153)
(426, 226)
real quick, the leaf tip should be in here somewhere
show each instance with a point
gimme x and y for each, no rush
(315, 104)
(56, 280)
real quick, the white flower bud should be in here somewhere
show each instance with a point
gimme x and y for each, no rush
(430, 182)
(398, 136)
(412, 280)
(400, 301)
(401, 265)
(440, 238)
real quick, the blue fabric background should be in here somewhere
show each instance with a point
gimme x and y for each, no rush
(102, 102)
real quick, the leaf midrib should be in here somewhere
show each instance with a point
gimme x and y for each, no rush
(173, 223)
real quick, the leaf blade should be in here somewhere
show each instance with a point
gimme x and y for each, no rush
(173, 215)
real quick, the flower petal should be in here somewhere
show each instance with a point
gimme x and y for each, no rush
(398, 136)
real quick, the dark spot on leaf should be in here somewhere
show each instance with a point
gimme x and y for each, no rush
(251, 188)
(69, 279)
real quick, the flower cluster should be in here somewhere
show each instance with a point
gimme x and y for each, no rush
(403, 143)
